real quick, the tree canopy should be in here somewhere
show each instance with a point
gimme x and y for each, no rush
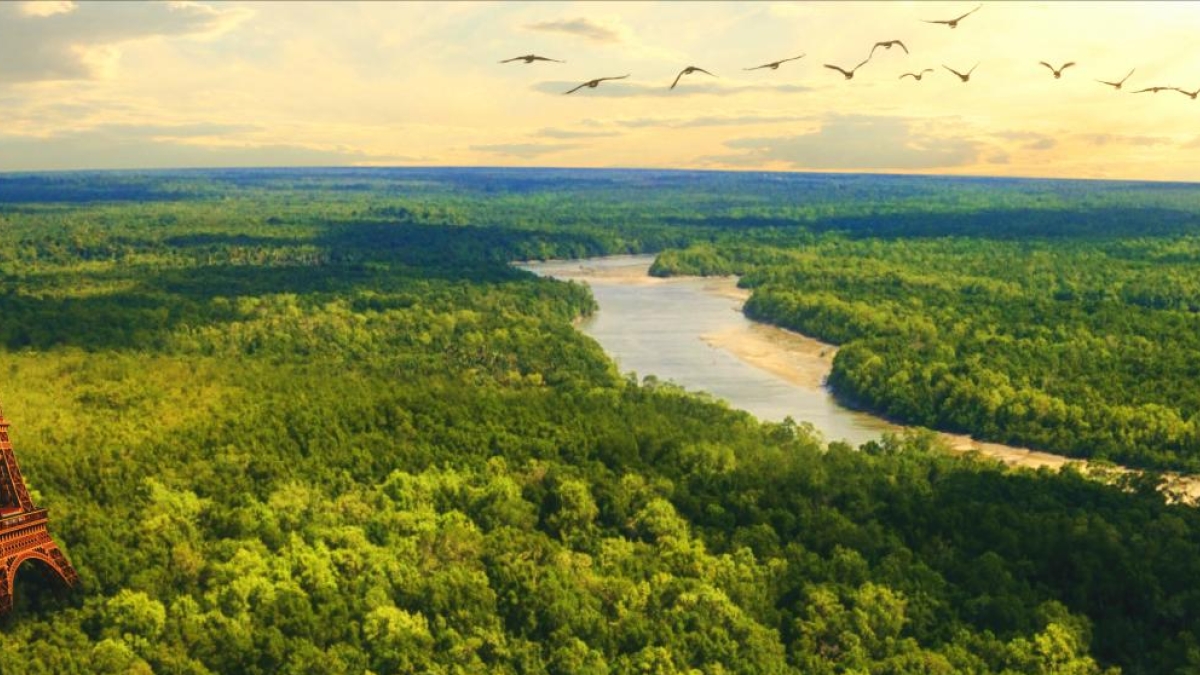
(293, 421)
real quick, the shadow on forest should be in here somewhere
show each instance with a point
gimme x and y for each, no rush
(995, 223)
(219, 241)
(87, 187)
(353, 257)
(1020, 535)
(453, 246)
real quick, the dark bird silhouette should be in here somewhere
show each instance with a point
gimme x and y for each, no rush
(886, 45)
(1117, 85)
(1191, 94)
(530, 58)
(953, 23)
(848, 73)
(688, 71)
(1152, 90)
(917, 76)
(774, 65)
(964, 78)
(594, 83)
(1058, 72)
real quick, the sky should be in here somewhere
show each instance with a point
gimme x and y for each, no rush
(113, 85)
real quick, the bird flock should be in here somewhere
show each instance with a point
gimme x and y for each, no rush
(849, 73)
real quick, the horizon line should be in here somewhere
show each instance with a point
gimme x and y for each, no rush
(427, 167)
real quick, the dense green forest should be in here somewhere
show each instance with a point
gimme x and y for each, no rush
(312, 421)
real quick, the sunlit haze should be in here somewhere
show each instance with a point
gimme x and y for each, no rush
(92, 85)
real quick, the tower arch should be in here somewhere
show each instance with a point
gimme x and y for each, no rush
(23, 533)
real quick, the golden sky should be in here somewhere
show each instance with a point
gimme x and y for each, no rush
(87, 85)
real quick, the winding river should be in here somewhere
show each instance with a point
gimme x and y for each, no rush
(691, 331)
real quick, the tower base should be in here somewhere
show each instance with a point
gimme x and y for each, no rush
(24, 537)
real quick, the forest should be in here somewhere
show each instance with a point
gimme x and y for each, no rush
(314, 421)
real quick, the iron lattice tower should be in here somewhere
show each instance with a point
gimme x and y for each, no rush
(23, 533)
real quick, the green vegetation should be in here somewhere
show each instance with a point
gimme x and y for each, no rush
(312, 422)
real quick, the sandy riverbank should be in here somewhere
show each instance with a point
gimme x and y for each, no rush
(796, 358)
(807, 362)
(633, 273)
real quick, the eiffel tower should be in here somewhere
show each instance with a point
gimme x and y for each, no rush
(23, 534)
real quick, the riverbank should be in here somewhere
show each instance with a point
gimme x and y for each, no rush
(807, 362)
(779, 355)
(797, 358)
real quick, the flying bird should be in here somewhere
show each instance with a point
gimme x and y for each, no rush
(917, 76)
(774, 65)
(964, 78)
(688, 71)
(886, 45)
(594, 83)
(1152, 90)
(1057, 72)
(848, 73)
(1191, 94)
(530, 58)
(953, 23)
(1116, 85)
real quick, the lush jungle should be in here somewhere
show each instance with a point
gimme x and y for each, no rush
(312, 421)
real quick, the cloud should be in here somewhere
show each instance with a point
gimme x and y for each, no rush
(626, 89)
(174, 131)
(46, 7)
(524, 150)
(568, 133)
(585, 28)
(1192, 144)
(162, 146)
(82, 41)
(1019, 135)
(858, 142)
(1033, 140)
(708, 121)
(1125, 139)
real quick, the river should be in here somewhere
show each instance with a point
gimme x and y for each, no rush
(691, 331)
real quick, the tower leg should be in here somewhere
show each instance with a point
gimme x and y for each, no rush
(63, 566)
(6, 597)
